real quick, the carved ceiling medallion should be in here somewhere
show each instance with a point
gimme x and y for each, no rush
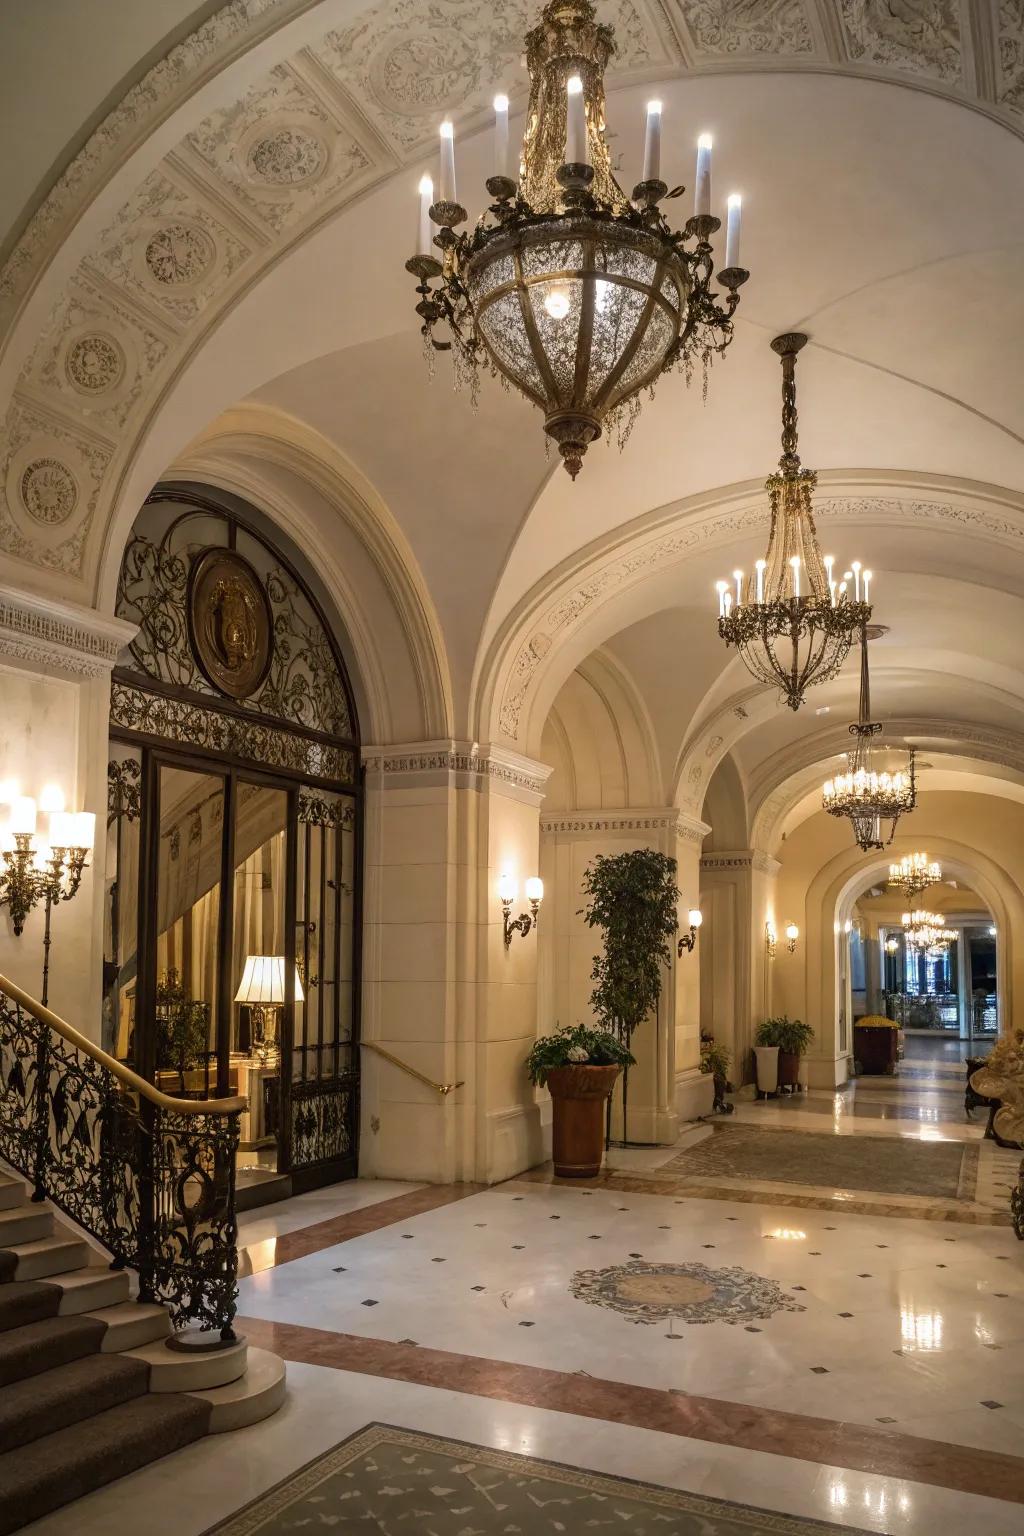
(178, 254)
(49, 492)
(230, 622)
(288, 157)
(94, 363)
(424, 72)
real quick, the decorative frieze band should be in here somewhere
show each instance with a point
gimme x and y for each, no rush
(52, 634)
(657, 819)
(463, 765)
(742, 858)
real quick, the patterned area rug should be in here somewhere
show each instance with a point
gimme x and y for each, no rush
(398, 1482)
(943, 1170)
(650, 1293)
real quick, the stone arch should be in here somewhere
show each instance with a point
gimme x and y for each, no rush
(600, 739)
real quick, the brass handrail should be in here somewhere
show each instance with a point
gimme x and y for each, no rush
(111, 1064)
(444, 1089)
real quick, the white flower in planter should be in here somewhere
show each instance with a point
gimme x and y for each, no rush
(578, 1055)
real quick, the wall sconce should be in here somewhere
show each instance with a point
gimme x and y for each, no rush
(892, 946)
(792, 934)
(695, 917)
(47, 872)
(507, 892)
(771, 940)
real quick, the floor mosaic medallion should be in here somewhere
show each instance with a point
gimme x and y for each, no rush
(693, 1293)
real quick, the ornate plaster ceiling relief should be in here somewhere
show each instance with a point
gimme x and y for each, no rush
(168, 249)
(1010, 86)
(737, 28)
(280, 150)
(50, 479)
(408, 63)
(917, 37)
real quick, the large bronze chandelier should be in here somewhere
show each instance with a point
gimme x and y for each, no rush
(794, 620)
(914, 873)
(867, 796)
(574, 293)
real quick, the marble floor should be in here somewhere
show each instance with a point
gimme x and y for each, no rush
(863, 1368)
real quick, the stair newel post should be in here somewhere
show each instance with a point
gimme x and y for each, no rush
(42, 1113)
(150, 1116)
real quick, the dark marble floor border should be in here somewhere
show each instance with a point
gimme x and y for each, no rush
(272, 1252)
(823, 1442)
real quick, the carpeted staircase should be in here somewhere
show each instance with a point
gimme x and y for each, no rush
(88, 1390)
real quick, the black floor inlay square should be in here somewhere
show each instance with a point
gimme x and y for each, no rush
(340, 1270)
(885, 1421)
(990, 1402)
(518, 1246)
(478, 1287)
(409, 1341)
(844, 1314)
(438, 1261)
(369, 1303)
(526, 1325)
(820, 1370)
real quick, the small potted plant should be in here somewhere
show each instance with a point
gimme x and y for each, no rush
(715, 1059)
(791, 1037)
(578, 1066)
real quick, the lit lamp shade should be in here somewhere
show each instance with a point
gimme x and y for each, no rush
(263, 981)
(695, 917)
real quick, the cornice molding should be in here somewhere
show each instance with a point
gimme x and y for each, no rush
(51, 634)
(458, 765)
(654, 819)
(741, 858)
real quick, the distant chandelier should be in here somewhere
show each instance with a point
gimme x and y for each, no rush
(914, 873)
(794, 622)
(926, 930)
(574, 293)
(865, 795)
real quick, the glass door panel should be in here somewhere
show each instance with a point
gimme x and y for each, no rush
(259, 957)
(188, 910)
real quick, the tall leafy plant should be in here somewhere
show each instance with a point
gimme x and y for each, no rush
(633, 898)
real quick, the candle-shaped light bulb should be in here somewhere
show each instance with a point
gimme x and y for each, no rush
(702, 187)
(855, 568)
(737, 577)
(830, 561)
(424, 229)
(507, 888)
(652, 143)
(760, 568)
(501, 135)
(535, 889)
(575, 123)
(734, 206)
(728, 603)
(867, 586)
(446, 189)
(795, 564)
(722, 587)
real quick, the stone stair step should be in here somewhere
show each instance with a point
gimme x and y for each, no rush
(172, 1370)
(254, 1396)
(12, 1193)
(131, 1324)
(49, 1256)
(61, 1467)
(41, 1404)
(82, 1290)
(41, 1346)
(24, 1223)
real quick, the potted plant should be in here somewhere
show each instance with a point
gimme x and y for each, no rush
(578, 1066)
(791, 1037)
(715, 1060)
(633, 898)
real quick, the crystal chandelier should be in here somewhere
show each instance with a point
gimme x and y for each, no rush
(793, 622)
(926, 930)
(914, 873)
(863, 794)
(574, 293)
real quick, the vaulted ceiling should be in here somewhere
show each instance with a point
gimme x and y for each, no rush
(233, 230)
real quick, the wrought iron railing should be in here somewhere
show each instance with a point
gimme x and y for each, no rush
(150, 1177)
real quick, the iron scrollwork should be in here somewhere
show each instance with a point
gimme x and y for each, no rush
(155, 1187)
(124, 789)
(324, 1119)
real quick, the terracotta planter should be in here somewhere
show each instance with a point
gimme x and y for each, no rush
(578, 1095)
(789, 1068)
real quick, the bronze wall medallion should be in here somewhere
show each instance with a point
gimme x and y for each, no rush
(230, 622)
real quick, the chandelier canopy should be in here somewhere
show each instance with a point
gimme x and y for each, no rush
(914, 873)
(574, 293)
(793, 621)
(927, 931)
(867, 796)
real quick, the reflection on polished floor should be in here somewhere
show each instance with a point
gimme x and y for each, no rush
(861, 1368)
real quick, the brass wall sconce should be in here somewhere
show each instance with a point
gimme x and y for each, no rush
(771, 941)
(688, 940)
(792, 934)
(43, 872)
(507, 893)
